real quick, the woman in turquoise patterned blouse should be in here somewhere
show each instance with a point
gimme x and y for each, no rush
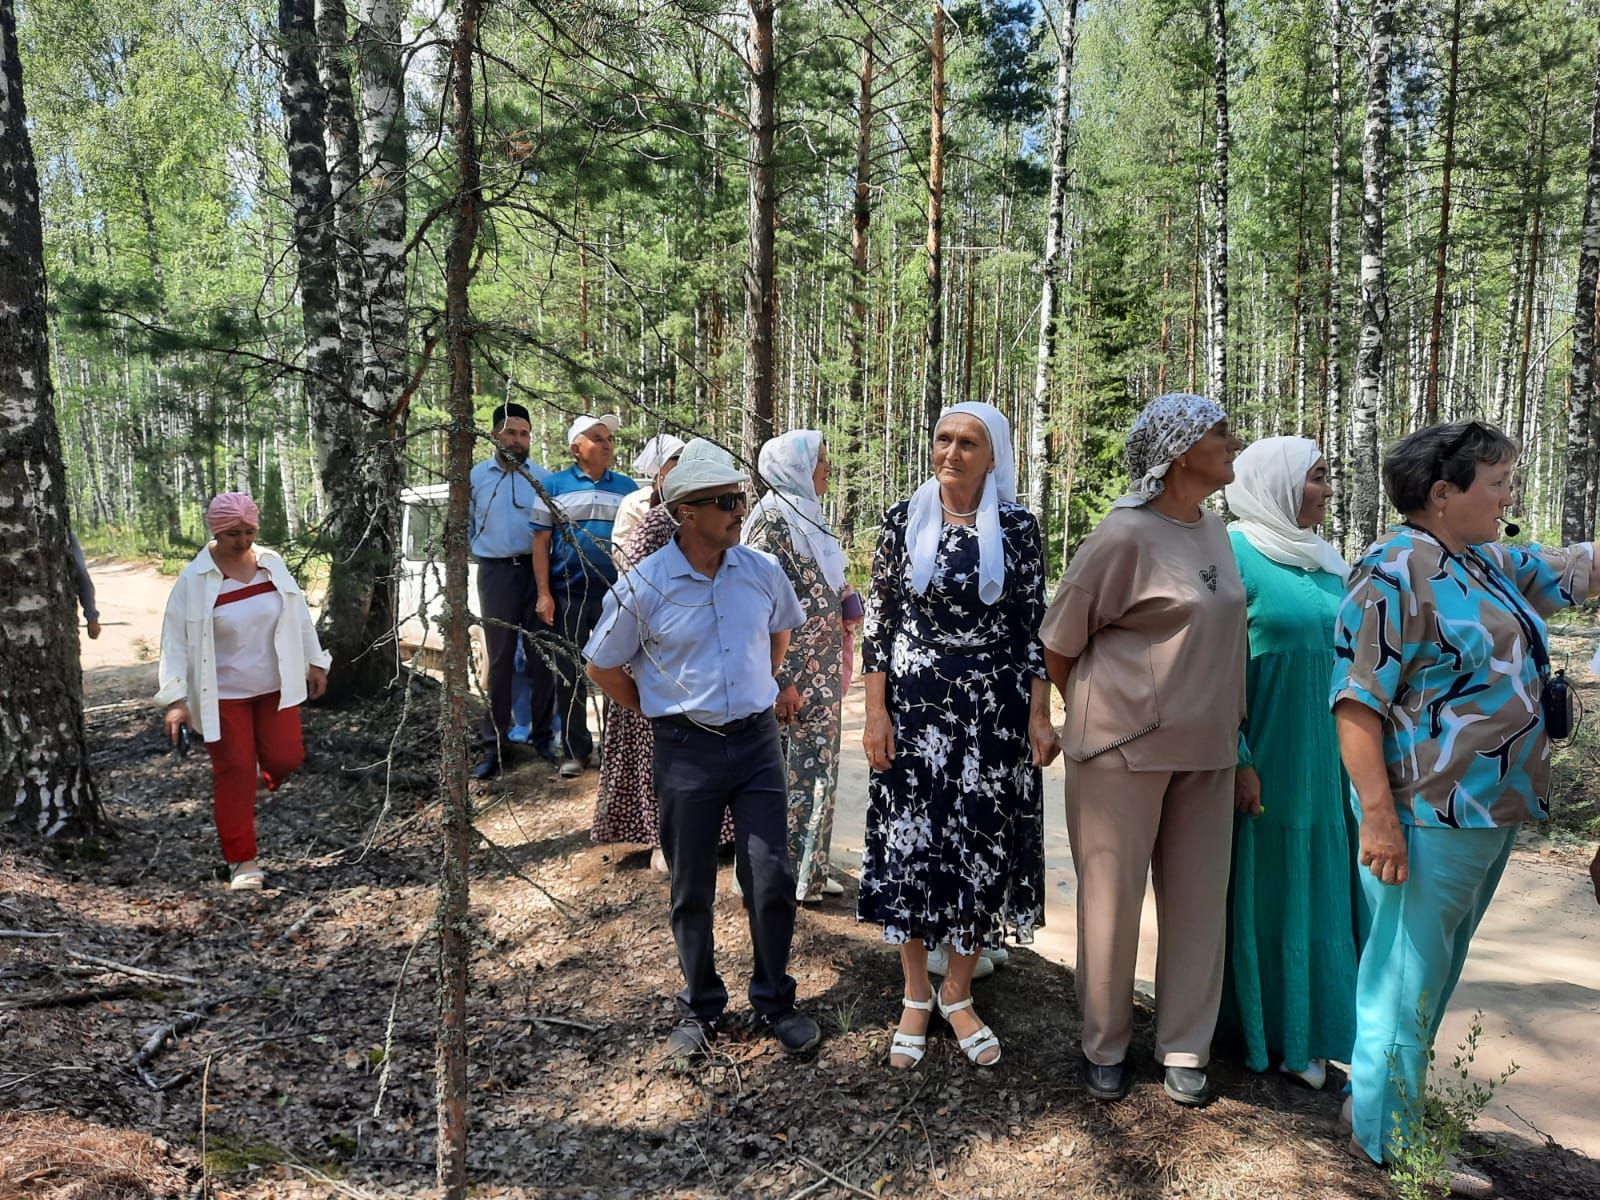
(1289, 992)
(1436, 695)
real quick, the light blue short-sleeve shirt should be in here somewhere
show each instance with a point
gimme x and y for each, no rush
(502, 503)
(699, 648)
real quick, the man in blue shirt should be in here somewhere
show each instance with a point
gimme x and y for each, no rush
(702, 625)
(503, 497)
(572, 563)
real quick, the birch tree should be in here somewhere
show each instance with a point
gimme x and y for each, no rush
(933, 345)
(1051, 271)
(860, 223)
(1580, 401)
(1334, 440)
(1217, 347)
(1365, 500)
(44, 761)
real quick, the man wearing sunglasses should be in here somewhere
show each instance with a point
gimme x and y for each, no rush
(692, 638)
(497, 529)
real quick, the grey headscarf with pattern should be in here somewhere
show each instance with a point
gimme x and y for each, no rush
(1162, 431)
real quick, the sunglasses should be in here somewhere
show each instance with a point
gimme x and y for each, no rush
(727, 502)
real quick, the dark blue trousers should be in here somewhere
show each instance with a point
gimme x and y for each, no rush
(698, 774)
(507, 593)
(577, 613)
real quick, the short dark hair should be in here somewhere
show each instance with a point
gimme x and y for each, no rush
(1452, 452)
(502, 411)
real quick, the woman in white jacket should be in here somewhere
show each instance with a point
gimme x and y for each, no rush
(239, 654)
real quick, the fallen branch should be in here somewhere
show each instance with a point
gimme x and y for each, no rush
(157, 1041)
(27, 933)
(831, 1177)
(893, 1123)
(140, 972)
(300, 923)
(11, 1083)
(562, 1021)
(67, 999)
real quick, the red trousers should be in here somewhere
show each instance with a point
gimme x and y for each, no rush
(258, 741)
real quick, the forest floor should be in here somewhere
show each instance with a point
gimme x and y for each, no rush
(302, 1061)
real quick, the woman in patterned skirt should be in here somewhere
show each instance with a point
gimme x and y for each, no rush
(788, 523)
(958, 725)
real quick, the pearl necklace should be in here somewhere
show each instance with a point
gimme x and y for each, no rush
(952, 512)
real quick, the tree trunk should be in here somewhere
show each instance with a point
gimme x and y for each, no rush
(1531, 270)
(1217, 356)
(450, 1067)
(1364, 483)
(44, 759)
(1580, 401)
(1333, 446)
(343, 152)
(933, 383)
(760, 272)
(1054, 254)
(861, 219)
(1441, 255)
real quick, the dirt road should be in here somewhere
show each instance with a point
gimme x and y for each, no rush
(1534, 970)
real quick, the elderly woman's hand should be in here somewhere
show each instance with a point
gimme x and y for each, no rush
(316, 683)
(877, 739)
(1383, 847)
(1043, 738)
(1247, 791)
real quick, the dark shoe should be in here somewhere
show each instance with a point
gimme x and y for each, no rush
(795, 1031)
(1104, 1083)
(487, 767)
(1188, 1085)
(689, 1041)
(572, 768)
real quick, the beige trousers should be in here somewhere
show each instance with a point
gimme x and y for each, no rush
(1178, 826)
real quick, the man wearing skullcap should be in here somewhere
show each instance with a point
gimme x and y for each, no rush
(239, 655)
(692, 639)
(503, 497)
(572, 537)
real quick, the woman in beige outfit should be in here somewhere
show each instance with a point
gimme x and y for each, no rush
(1146, 639)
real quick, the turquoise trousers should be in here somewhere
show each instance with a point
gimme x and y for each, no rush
(1416, 946)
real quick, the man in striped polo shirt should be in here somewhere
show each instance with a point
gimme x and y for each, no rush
(573, 566)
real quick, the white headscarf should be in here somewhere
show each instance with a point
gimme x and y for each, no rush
(657, 452)
(1269, 483)
(925, 521)
(1162, 431)
(787, 464)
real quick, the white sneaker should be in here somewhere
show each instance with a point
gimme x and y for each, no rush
(1314, 1076)
(939, 964)
(246, 877)
(832, 887)
(999, 955)
(658, 861)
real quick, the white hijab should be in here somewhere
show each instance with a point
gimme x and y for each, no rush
(787, 464)
(1269, 483)
(925, 521)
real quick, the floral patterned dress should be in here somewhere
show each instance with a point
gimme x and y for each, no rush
(815, 665)
(625, 808)
(955, 826)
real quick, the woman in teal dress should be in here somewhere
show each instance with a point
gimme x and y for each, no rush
(1289, 993)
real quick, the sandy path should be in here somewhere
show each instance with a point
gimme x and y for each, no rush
(1534, 969)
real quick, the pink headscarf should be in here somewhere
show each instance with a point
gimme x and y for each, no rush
(229, 509)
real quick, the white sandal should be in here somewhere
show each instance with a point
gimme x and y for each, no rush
(975, 1044)
(910, 1045)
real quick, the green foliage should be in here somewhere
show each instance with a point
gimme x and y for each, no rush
(1425, 1143)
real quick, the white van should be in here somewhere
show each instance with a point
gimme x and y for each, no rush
(421, 584)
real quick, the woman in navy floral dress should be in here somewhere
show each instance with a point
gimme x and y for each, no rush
(958, 726)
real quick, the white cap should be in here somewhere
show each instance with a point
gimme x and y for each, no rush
(657, 452)
(585, 423)
(701, 464)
